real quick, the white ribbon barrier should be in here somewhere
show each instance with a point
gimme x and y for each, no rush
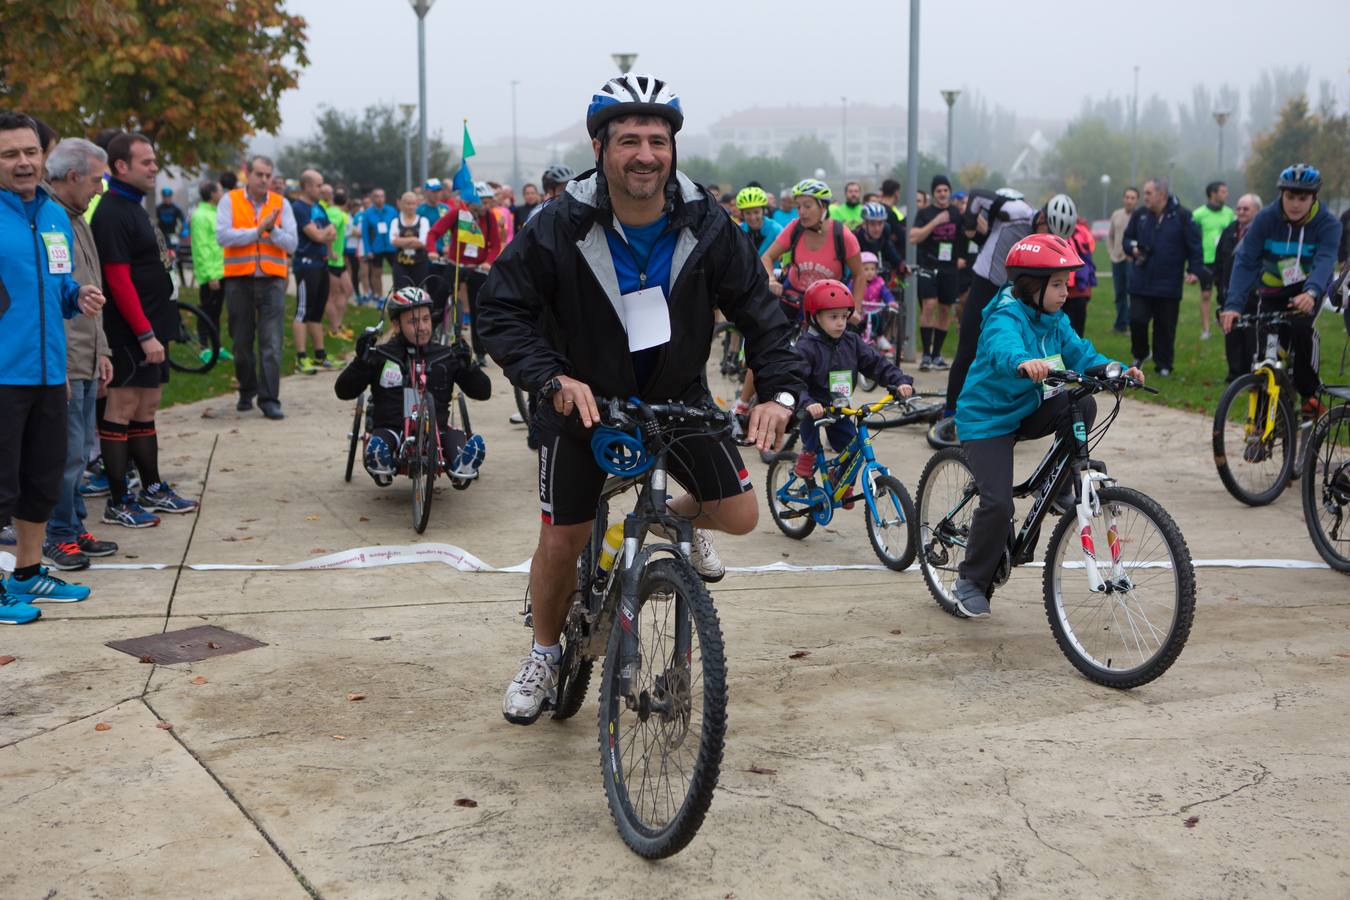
(462, 560)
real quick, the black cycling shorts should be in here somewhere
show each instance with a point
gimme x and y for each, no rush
(943, 284)
(570, 481)
(311, 293)
(33, 451)
(130, 370)
(376, 261)
(1206, 276)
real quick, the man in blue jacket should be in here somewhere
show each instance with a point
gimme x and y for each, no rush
(1289, 255)
(376, 239)
(1162, 239)
(37, 294)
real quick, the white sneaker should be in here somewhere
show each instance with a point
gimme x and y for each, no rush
(702, 554)
(535, 683)
(1204, 335)
(516, 419)
(884, 345)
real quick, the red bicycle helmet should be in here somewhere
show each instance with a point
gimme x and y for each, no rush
(1042, 255)
(406, 298)
(826, 294)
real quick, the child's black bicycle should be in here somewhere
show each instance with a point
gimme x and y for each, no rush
(646, 613)
(1121, 620)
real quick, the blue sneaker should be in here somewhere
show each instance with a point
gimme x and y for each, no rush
(15, 612)
(95, 484)
(970, 600)
(162, 498)
(129, 514)
(44, 587)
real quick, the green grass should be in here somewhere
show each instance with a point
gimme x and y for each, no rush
(219, 381)
(1197, 379)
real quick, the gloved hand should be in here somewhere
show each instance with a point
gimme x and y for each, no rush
(462, 353)
(366, 341)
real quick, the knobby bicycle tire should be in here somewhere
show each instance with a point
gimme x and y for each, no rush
(355, 436)
(780, 470)
(1326, 486)
(574, 669)
(926, 515)
(1226, 457)
(193, 326)
(424, 469)
(666, 840)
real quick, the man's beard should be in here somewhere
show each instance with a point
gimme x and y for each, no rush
(640, 191)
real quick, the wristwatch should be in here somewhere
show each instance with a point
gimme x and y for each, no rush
(785, 399)
(551, 387)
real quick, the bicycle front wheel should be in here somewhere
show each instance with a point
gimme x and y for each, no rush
(1253, 466)
(354, 438)
(660, 757)
(1130, 633)
(196, 346)
(947, 501)
(890, 523)
(1326, 488)
(423, 466)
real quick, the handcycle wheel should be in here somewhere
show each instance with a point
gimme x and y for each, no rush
(196, 333)
(781, 478)
(464, 423)
(660, 760)
(942, 433)
(946, 493)
(423, 467)
(1130, 634)
(523, 405)
(354, 438)
(1253, 468)
(891, 529)
(1326, 488)
(574, 669)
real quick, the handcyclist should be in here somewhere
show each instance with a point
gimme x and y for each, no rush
(753, 204)
(1289, 255)
(1006, 218)
(611, 291)
(383, 370)
(1025, 337)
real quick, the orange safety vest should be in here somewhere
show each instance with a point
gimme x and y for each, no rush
(248, 259)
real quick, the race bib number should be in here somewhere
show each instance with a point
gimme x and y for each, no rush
(1049, 390)
(471, 251)
(1291, 272)
(391, 375)
(972, 247)
(58, 253)
(646, 317)
(382, 227)
(945, 251)
(841, 386)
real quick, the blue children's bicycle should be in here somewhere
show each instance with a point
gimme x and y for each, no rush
(799, 504)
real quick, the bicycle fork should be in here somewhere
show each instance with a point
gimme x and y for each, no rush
(1087, 507)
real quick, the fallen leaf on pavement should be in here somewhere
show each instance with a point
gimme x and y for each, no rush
(318, 549)
(466, 803)
(383, 637)
(311, 518)
(200, 679)
(364, 519)
(165, 726)
(1192, 822)
(234, 431)
(212, 645)
(355, 697)
(102, 726)
(800, 654)
(224, 469)
(147, 659)
(208, 413)
(759, 770)
(339, 737)
(896, 631)
(6, 660)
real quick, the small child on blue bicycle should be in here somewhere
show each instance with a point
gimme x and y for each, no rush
(382, 369)
(832, 356)
(1024, 338)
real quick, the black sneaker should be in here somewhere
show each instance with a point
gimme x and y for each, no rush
(272, 411)
(93, 547)
(65, 557)
(970, 600)
(244, 404)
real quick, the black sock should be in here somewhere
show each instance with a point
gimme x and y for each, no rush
(100, 407)
(925, 338)
(143, 446)
(320, 353)
(27, 572)
(939, 336)
(113, 439)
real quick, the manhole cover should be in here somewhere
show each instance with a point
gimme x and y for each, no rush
(188, 645)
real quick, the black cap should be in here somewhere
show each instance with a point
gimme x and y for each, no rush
(937, 180)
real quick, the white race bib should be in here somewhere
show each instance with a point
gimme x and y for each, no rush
(1291, 272)
(382, 227)
(646, 316)
(58, 252)
(945, 251)
(391, 375)
(471, 250)
(841, 386)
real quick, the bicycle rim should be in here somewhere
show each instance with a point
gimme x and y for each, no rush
(941, 489)
(184, 351)
(1326, 488)
(660, 761)
(890, 523)
(1130, 636)
(778, 479)
(1253, 465)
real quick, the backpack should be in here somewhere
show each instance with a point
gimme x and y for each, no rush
(837, 229)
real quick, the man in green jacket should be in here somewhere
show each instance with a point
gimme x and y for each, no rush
(1212, 218)
(208, 262)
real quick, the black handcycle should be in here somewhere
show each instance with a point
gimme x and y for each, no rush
(195, 346)
(642, 609)
(1121, 619)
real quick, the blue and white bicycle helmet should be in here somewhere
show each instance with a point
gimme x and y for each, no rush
(633, 95)
(1300, 177)
(873, 212)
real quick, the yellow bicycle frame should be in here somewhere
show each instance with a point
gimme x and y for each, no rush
(1272, 403)
(846, 459)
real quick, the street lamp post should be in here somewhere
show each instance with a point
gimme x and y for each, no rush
(422, 7)
(624, 61)
(1134, 131)
(407, 109)
(1222, 119)
(950, 97)
(1106, 183)
(843, 137)
(515, 147)
(912, 179)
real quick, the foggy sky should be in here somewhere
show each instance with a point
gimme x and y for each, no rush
(560, 53)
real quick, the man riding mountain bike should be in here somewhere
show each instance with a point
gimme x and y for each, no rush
(612, 291)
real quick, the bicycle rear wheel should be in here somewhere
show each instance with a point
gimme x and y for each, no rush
(196, 345)
(891, 523)
(947, 501)
(1253, 466)
(660, 760)
(781, 481)
(1131, 633)
(354, 438)
(574, 669)
(1326, 488)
